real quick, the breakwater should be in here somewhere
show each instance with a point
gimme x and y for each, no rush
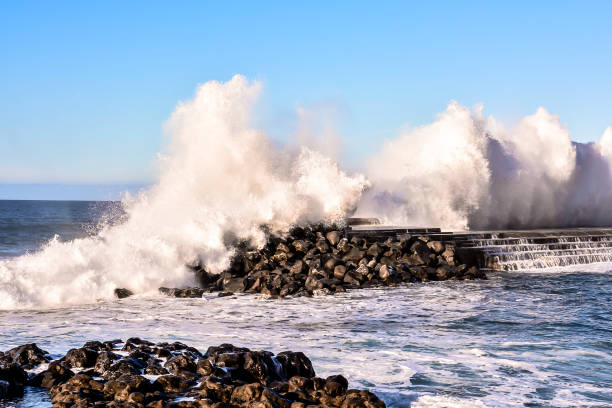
(508, 250)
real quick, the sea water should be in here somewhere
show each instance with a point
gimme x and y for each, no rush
(527, 338)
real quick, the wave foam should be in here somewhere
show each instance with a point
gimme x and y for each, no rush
(220, 177)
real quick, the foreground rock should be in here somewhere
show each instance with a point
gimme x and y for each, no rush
(322, 261)
(139, 373)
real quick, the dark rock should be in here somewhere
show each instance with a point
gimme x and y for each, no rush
(336, 385)
(12, 380)
(303, 262)
(259, 367)
(298, 267)
(125, 366)
(272, 397)
(217, 389)
(420, 249)
(436, 246)
(362, 272)
(77, 388)
(330, 265)
(182, 293)
(58, 372)
(295, 364)
(104, 361)
(384, 272)
(313, 283)
(234, 284)
(226, 376)
(122, 293)
(182, 365)
(289, 289)
(302, 245)
(354, 255)
(339, 272)
(282, 247)
(27, 356)
(475, 273)
(246, 393)
(121, 388)
(362, 398)
(374, 250)
(333, 237)
(351, 278)
(449, 255)
(206, 368)
(81, 358)
(322, 246)
(205, 278)
(444, 272)
(171, 384)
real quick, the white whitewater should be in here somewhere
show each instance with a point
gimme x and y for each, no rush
(466, 171)
(221, 177)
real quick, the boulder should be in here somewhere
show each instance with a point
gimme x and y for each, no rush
(436, 246)
(182, 365)
(27, 356)
(293, 364)
(384, 272)
(333, 237)
(302, 245)
(171, 384)
(353, 255)
(312, 283)
(80, 387)
(121, 388)
(339, 271)
(58, 372)
(12, 380)
(234, 284)
(122, 293)
(246, 393)
(298, 267)
(81, 358)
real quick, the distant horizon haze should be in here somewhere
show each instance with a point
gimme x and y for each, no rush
(67, 191)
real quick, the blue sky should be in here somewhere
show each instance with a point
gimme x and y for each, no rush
(86, 86)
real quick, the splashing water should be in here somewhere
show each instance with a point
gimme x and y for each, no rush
(220, 177)
(465, 171)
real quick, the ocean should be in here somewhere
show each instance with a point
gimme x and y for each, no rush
(539, 338)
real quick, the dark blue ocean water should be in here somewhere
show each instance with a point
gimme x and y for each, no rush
(539, 338)
(25, 225)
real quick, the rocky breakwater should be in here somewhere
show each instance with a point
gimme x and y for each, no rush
(139, 373)
(320, 260)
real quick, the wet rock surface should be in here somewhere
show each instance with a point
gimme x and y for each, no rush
(139, 373)
(321, 260)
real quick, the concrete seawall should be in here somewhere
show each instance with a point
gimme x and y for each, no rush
(507, 249)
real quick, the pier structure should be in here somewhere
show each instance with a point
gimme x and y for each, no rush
(506, 249)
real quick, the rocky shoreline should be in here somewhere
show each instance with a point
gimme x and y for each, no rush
(324, 260)
(141, 374)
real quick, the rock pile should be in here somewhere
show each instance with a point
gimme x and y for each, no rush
(139, 373)
(321, 261)
(13, 364)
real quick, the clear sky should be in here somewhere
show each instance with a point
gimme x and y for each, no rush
(86, 86)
